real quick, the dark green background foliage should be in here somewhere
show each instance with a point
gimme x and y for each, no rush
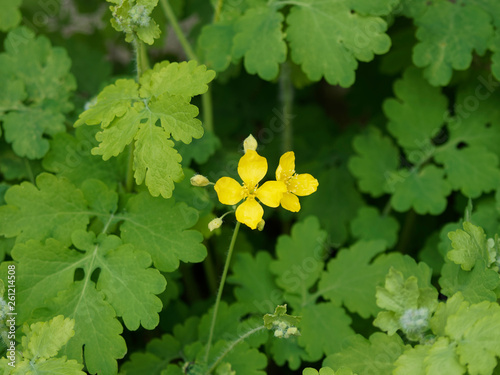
(106, 111)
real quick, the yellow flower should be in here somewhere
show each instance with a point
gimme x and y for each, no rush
(297, 184)
(252, 168)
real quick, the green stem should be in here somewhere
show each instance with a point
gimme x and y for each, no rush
(208, 116)
(286, 98)
(233, 344)
(169, 13)
(218, 9)
(27, 165)
(221, 288)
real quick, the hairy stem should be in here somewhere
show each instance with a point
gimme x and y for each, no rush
(206, 99)
(232, 345)
(221, 288)
(172, 19)
(286, 98)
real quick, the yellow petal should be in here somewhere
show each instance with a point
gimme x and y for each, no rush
(250, 213)
(252, 168)
(271, 192)
(303, 184)
(290, 202)
(229, 190)
(286, 168)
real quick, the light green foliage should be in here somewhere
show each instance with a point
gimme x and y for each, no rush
(255, 283)
(373, 356)
(147, 115)
(407, 306)
(468, 245)
(369, 224)
(300, 257)
(160, 227)
(377, 158)
(36, 88)
(53, 208)
(329, 319)
(408, 123)
(326, 39)
(424, 190)
(280, 315)
(449, 33)
(10, 15)
(125, 286)
(41, 342)
(260, 40)
(466, 340)
(351, 279)
(133, 17)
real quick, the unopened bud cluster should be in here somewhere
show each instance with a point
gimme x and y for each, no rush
(415, 320)
(139, 15)
(283, 330)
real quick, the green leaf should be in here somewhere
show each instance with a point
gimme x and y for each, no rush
(159, 351)
(407, 306)
(10, 16)
(146, 116)
(156, 161)
(185, 79)
(54, 208)
(160, 227)
(69, 156)
(200, 150)
(216, 43)
(299, 257)
(478, 165)
(38, 83)
(133, 17)
(425, 191)
(280, 315)
(334, 325)
(476, 329)
(243, 359)
(255, 283)
(340, 197)
(322, 41)
(96, 327)
(449, 33)
(370, 225)
(412, 126)
(125, 279)
(288, 351)
(377, 158)
(374, 356)
(476, 285)
(351, 279)
(44, 339)
(259, 40)
(468, 245)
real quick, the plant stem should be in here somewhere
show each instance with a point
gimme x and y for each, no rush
(233, 344)
(218, 9)
(169, 13)
(206, 99)
(286, 98)
(221, 288)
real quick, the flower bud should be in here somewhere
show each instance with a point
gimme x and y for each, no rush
(250, 143)
(260, 225)
(278, 333)
(292, 331)
(215, 224)
(199, 180)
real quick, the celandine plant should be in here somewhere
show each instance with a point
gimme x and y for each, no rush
(126, 173)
